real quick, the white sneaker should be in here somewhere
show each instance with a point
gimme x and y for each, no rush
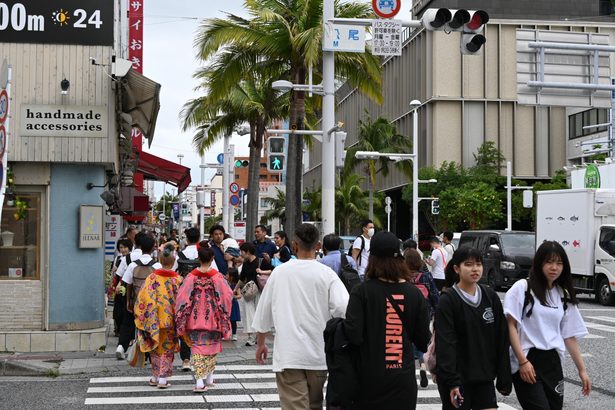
(186, 365)
(119, 352)
(234, 337)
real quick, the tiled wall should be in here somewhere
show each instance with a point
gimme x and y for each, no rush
(21, 305)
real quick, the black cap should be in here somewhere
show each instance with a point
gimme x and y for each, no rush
(385, 245)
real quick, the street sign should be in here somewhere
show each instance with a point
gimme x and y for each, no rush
(386, 8)
(220, 158)
(386, 40)
(4, 106)
(234, 187)
(240, 231)
(387, 200)
(2, 141)
(234, 200)
(340, 37)
(162, 217)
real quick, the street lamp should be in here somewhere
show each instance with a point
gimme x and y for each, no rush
(415, 104)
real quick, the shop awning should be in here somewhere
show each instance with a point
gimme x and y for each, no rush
(159, 169)
(141, 100)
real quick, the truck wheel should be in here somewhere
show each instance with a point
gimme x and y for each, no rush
(604, 295)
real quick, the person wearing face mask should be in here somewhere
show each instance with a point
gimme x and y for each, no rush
(360, 247)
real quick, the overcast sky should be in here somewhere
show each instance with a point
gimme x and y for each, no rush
(169, 59)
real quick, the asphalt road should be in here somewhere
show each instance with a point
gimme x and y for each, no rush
(245, 386)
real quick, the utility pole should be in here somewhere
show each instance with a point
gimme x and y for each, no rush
(328, 122)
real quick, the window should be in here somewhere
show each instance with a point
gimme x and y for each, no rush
(594, 116)
(263, 165)
(20, 239)
(262, 177)
(607, 240)
(264, 204)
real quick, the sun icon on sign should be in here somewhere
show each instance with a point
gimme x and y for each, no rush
(61, 17)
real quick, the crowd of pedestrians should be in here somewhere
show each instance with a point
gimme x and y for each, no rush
(362, 317)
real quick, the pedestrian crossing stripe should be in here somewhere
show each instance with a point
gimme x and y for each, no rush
(133, 390)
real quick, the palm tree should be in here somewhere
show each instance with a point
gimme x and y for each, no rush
(350, 201)
(381, 136)
(288, 34)
(277, 206)
(251, 100)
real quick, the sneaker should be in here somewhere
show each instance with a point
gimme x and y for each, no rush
(424, 381)
(186, 365)
(119, 352)
(250, 342)
(234, 338)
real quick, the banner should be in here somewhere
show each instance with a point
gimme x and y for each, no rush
(135, 55)
(57, 22)
(5, 99)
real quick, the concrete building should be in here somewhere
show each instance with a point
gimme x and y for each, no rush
(466, 100)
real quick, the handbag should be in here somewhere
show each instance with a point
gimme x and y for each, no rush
(261, 280)
(249, 291)
(135, 357)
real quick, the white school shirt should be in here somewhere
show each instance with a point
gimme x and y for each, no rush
(450, 250)
(191, 253)
(364, 254)
(438, 255)
(134, 255)
(547, 327)
(128, 275)
(300, 297)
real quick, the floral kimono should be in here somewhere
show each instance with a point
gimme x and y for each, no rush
(202, 309)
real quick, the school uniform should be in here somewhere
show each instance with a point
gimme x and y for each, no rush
(542, 336)
(471, 347)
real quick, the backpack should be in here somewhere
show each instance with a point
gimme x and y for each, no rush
(139, 274)
(349, 275)
(360, 249)
(186, 265)
(421, 286)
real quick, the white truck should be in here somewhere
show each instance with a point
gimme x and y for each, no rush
(583, 222)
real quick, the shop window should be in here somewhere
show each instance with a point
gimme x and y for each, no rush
(20, 239)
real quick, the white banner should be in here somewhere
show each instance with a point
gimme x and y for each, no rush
(5, 98)
(63, 121)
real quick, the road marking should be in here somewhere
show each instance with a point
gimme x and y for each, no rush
(598, 326)
(602, 318)
(144, 400)
(174, 387)
(592, 336)
(597, 309)
(228, 398)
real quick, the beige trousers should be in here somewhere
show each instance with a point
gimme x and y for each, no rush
(301, 389)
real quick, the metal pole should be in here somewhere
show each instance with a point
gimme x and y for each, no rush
(230, 209)
(328, 122)
(179, 223)
(225, 181)
(508, 196)
(389, 221)
(202, 206)
(415, 175)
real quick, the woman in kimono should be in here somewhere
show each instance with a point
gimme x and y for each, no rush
(202, 311)
(155, 317)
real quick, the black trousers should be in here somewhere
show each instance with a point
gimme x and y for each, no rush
(184, 350)
(119, 311)
(548, 391)
(234, 327)
(127, 330)
(439, 283)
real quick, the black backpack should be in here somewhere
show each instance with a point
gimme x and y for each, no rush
(349, 275)
(186, 265)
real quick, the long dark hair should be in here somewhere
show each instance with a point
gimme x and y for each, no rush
(283, 235)
(460, 256)
(388, 268)
(538, 282)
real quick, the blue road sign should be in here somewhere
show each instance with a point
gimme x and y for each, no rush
(234, 200)
(220, 158)
(176, 211)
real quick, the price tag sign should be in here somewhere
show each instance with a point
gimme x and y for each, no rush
(386, 39)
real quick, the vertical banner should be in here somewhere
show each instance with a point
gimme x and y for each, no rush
(135, 55)
(5, 99)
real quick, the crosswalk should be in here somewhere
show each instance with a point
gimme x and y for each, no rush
(236, 386)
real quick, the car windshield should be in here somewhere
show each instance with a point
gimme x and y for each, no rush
(519, 243)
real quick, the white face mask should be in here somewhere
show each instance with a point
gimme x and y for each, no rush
(370, 232)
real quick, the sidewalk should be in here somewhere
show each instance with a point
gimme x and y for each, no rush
(55, 364)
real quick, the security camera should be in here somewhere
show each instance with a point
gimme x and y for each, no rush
(93, 60)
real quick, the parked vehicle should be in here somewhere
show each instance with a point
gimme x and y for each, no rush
(583, 222)
(507, 255)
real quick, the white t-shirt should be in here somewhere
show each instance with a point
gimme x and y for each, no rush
(300, 297)
(437, 269)
(134, 255)
(547, 327)
(450, 249)
(364, 255)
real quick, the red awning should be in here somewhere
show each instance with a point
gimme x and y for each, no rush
(159, 169)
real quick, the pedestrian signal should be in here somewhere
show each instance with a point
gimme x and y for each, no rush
(275, 163)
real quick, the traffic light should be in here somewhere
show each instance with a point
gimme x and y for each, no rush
(469, 22)
(275, 163)
(242, 163)
(276, 145)
(340, 152)
(471, 39)
(435, 206)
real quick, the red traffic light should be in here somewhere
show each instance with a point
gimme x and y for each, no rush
(479, 18)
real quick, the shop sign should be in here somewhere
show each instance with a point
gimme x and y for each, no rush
(91, 226)
(592, 176)
(57, 22)
(63, 121)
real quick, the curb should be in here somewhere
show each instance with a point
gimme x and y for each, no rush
(21, 368)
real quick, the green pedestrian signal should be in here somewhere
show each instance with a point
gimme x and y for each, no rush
(276, 163)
